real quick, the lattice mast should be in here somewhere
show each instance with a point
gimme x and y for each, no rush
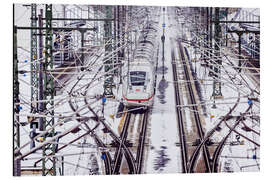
(34, 63)
(48, 163)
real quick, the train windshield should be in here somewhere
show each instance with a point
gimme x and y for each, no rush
(137, 78)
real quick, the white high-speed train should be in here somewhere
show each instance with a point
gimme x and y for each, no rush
(139, 74)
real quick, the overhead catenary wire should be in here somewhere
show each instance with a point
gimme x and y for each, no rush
(83, 91)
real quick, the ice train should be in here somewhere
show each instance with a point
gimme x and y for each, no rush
(139, 74)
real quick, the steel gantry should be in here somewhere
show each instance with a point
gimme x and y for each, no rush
(42, 64)
(34, 62)
(217, 60)
(217, 37)
(96, 23)
(108, 78)
(48, 163)
(239, 34)
(121, 25)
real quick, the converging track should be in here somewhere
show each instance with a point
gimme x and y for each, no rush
(119, 151)
(209, 134)
(135, 165)
(95, 94)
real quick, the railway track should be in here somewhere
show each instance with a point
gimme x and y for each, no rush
(119, 154)
(140, 150)
(89, 131)
(200, 132)
(74, 107)
(127, 151)
(121, 142)
(182, 138)
(222, 143)
(107, 159)
(135, 166)
(211, 163)
(142, 135)
(118, 140)
(209, 134)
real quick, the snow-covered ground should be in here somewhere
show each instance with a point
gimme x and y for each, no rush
(162, 152)
(163, 155)
(242, 156)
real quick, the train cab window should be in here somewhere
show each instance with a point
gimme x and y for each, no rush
(137, 78)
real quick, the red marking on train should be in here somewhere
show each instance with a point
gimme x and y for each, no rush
(137, 90)
(138, 99)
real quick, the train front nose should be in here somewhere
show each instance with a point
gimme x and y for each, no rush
(138, 92)
(138, 97)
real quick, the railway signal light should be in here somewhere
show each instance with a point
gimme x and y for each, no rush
(103, 99)
(103, 156)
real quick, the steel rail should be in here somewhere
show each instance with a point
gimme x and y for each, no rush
(118, 154)
(180, 123)
(128, 154)
(108, 159)
(209, 134)
(206, 154)
(123, 137)
(222, 143)
(142, 135)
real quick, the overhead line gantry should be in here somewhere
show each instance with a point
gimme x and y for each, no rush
(42, 82)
